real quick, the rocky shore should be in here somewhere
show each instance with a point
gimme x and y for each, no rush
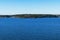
(31, 16)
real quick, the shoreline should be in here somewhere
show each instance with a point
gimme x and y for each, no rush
(31, 16)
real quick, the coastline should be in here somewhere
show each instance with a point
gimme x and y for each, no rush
(31, 16)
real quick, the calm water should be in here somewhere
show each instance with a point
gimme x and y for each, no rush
(29, 29)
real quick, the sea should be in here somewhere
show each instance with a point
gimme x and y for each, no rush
(29, 28)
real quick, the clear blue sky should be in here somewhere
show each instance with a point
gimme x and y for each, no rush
(30, 6)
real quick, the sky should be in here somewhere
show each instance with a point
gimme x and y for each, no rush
(9, 7)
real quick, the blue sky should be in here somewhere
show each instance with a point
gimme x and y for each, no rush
(29, 7)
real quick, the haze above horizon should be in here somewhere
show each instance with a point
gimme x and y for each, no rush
(9, 7)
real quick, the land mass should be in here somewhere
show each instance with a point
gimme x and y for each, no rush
(31, 16)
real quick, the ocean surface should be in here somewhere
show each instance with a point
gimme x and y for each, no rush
(29, 28)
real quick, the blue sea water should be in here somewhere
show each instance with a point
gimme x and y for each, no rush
(29, 28)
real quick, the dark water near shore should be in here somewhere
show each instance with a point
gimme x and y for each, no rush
(29, 29)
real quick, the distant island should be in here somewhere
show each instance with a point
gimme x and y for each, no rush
(31, 16)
